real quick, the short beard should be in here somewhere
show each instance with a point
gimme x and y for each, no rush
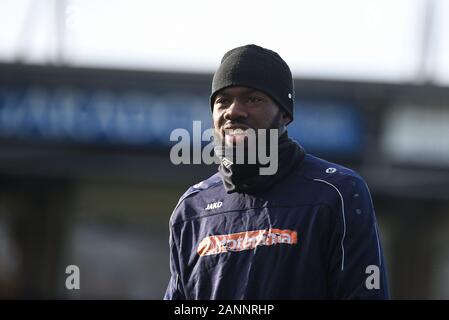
(275, 124)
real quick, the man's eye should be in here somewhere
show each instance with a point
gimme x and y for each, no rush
(254, 99)
(222, 101)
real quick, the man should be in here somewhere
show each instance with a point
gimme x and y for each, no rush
(308, 231)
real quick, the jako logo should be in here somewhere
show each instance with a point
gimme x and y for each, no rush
(214, 205)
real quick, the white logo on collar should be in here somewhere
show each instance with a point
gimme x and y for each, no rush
(226, 162)
(331, 170)
(214, 205)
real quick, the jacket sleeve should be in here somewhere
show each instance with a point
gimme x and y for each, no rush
(356, 263)
(174, 289)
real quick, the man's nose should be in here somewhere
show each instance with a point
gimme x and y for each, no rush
(236, 110)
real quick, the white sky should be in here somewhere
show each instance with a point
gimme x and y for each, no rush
(352, 39)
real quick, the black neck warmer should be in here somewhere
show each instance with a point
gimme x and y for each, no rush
(246, 178)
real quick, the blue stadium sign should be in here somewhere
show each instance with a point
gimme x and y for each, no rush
(106, 116)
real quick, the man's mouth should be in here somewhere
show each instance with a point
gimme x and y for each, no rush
(235, 130)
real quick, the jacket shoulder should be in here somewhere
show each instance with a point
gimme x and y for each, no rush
(183, 210)
(331, 176)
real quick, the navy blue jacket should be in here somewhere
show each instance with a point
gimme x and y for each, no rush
(313, 235)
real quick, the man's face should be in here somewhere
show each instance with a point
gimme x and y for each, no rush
(237, 109)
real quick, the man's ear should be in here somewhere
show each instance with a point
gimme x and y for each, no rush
(285, 119)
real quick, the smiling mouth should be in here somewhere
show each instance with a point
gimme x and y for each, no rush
(236, 131)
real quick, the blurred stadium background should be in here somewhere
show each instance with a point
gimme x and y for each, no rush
(90, 91)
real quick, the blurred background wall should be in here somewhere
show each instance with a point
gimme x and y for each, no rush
(91, 90)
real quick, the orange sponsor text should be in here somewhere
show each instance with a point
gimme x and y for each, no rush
(245, 241)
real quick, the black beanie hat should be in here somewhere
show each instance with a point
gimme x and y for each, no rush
(258, 68)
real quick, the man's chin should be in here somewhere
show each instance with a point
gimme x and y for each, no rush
(233, 140)
(229, 140)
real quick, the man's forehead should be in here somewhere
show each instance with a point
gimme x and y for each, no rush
(238, 90)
